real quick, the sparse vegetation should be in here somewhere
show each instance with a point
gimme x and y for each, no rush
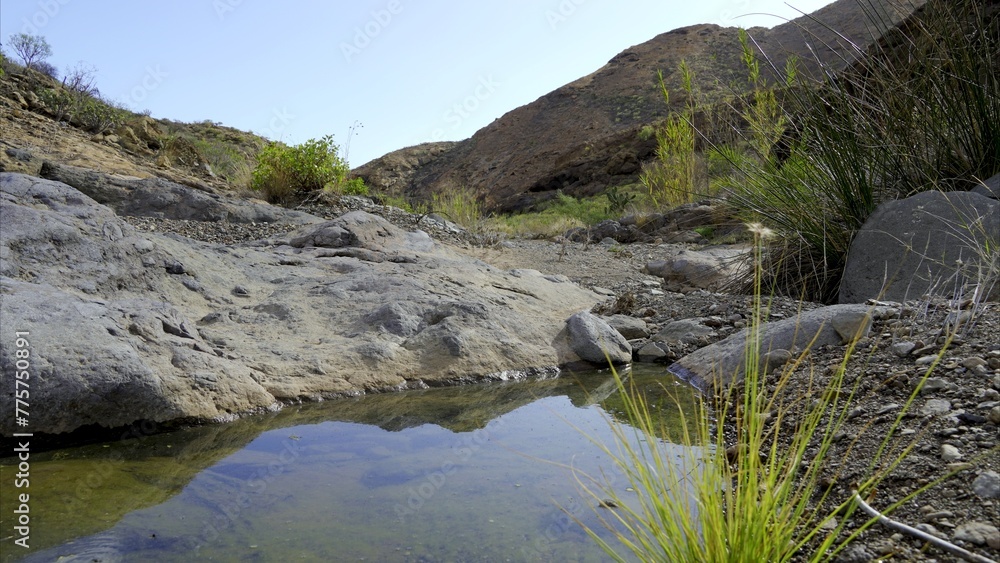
(31, 49)
(284, 173)
(749, 487)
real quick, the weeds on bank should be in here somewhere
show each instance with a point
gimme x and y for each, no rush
(752, 485)
(919, 110)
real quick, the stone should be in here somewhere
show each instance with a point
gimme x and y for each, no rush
(934, 407)
(987, 485)
(903, 349)
(692, 269)
(685, 331)
(989, 187)
(653, 352)
(978, 533)
(950, 453)
(629, 327)
(234, 329)
(595, 341)
(913, 246)
(994, 416)
(724, 361)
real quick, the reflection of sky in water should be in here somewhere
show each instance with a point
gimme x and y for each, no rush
(318, 488)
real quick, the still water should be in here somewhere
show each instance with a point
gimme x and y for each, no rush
(485, 472)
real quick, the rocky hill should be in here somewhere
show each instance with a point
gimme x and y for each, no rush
(584, 137)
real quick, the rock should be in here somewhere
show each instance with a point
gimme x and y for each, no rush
(595, 341)
(774, 360)
(629, 327)
(855, 553)
(987, 485)
(989, 187)
(950, 453)
(654, 352)
(686, 331)
(908, 247)
(994, 416)
(725, 360)
(978, 533)
(903, 349)
(156, 197)
(177, 329)
(692, 269)
(934, 407)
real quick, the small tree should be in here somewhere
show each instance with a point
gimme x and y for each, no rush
(32, 49)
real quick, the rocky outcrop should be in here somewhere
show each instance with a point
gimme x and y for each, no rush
(931, 243)
(128, 326)
(163, 199)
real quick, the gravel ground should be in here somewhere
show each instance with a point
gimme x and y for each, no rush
(951, 427)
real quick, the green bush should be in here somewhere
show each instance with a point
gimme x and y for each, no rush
(354, 186)
(98, 115)
(284, 173)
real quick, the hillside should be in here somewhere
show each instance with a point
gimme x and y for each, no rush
(583, 137)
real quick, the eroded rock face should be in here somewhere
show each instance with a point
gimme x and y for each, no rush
(127, 326)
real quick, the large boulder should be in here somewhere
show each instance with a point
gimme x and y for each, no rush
(126, 325)
(591, 338)
(710, 269)
(725, 360)
(932, 242)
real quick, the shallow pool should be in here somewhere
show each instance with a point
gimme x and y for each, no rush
(483, 472)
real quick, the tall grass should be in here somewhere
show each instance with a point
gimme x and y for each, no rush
(752, 488)
(919, 110)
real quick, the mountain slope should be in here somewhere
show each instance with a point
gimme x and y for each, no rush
(583, 137)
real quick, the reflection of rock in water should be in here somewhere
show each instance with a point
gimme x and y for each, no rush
(111, 547)
(380, 478)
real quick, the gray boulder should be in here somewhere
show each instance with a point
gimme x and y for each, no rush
(595, 341)
(128, 326)
(724, 361)
(688, 270)
(932, 242)
(629, 327)
(989, 187)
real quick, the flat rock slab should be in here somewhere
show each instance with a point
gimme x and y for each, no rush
(128, 326)
(725, 361)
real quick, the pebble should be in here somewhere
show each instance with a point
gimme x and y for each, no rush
(903, 348)
(932, 384)
(926, 360)
(994, 416)
(978, 533)
(950, 453)
(987, 485)
(935, 407)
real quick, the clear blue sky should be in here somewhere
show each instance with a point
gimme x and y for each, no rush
(408, 71)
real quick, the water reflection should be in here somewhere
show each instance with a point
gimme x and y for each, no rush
(468, 473)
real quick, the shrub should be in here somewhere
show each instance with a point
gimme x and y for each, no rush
(58, 101)
(354, 186)
(31, 49)
(47, 69)
(98, 115)
(284, 173)
(459, 205)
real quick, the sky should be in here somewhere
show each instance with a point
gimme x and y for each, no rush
(378, 75)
